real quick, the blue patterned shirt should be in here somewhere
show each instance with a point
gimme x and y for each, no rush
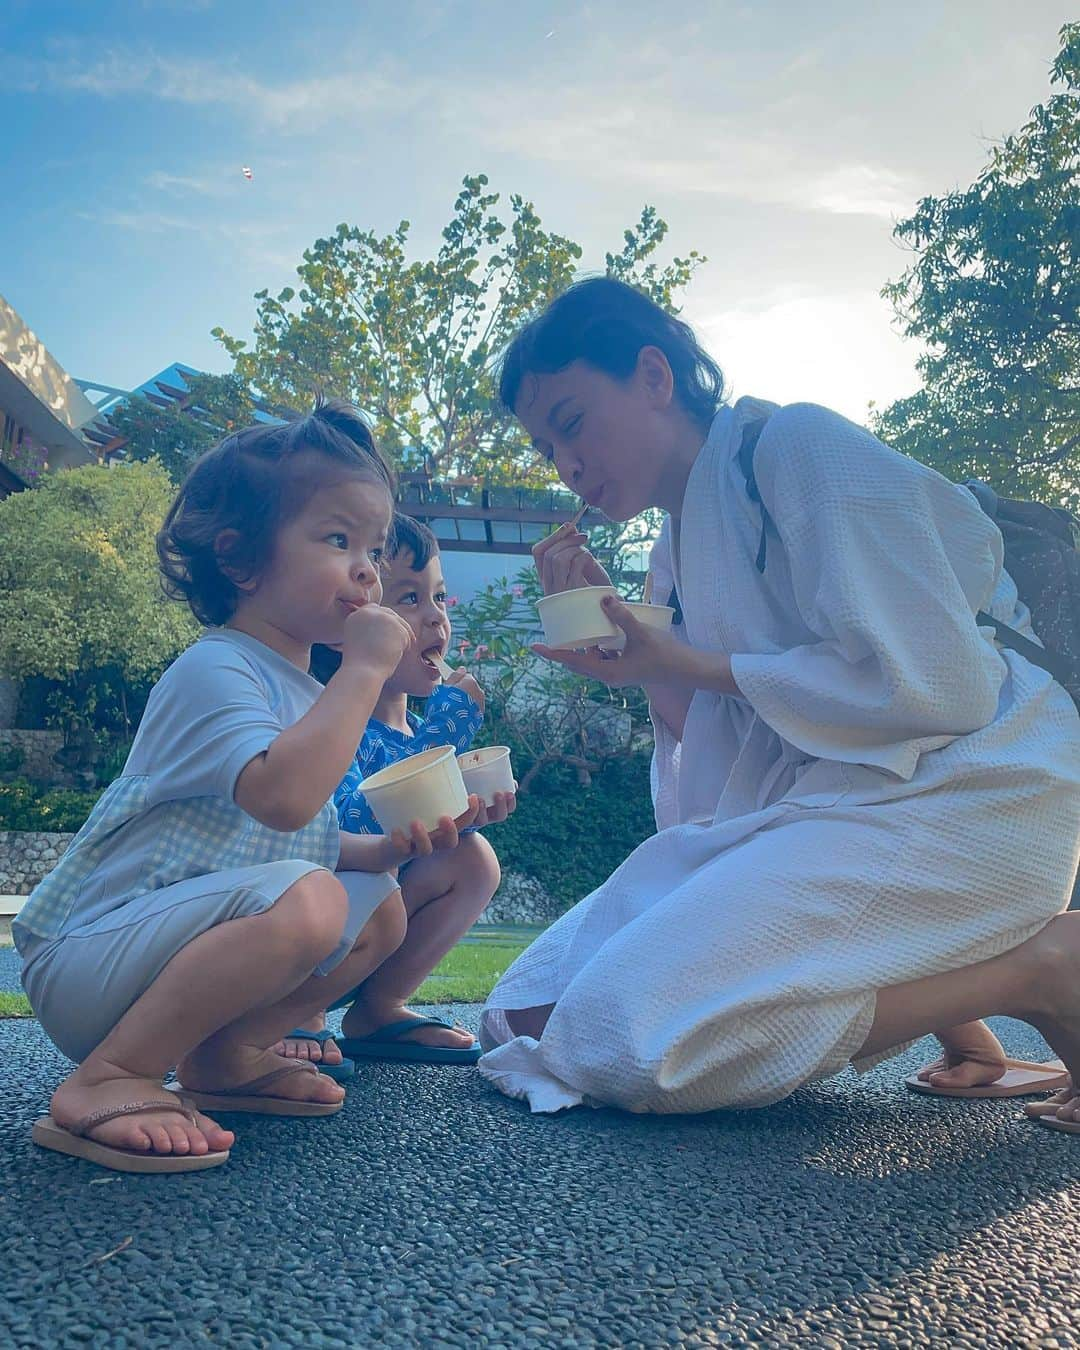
(450, 718)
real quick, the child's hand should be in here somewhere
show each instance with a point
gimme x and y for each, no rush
(377, 639)
(461, 679)
(420, 842)
(505, 805)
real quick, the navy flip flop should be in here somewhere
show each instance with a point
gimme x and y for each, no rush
(340, 1073)
(387, 1043)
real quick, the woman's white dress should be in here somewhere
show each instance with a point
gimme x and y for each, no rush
(892, 796)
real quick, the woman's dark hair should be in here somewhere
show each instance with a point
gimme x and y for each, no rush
(606, 323)
(253, 482)
(405, 532)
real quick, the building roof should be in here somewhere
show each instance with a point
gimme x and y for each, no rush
(39, 394)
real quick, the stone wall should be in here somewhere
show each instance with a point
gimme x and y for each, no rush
(38, 749)
(25, 857)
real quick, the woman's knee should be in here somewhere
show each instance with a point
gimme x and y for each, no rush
(385, 931)
(315, 909)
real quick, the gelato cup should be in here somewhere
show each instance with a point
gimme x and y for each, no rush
(656, 616)
(576, 618)
(423, 787)
(487, 771)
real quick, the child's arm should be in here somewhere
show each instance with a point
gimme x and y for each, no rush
(383, 853)
(290, 782)
(453, 715)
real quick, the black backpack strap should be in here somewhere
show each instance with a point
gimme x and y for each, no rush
(1038, 656)
(751, 434)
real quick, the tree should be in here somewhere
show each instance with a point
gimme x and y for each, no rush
(81, 607)
(178, 433)
(412, 342)
(994, 294)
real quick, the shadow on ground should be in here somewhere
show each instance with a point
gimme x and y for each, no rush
(432, 1212)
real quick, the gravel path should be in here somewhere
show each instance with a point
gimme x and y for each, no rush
(434, 1213)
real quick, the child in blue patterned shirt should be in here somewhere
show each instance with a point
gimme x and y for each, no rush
(210, 901)
(445, 892)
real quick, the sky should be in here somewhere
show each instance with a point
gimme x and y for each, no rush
(782, 140)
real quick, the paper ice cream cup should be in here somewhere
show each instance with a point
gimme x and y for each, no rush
(423, 787)
(655, 616)
(487, 771)
(576, 618)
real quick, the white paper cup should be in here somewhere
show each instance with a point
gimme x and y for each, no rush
(576, 618)
(655, 616)
(423, 787)
(486, 772)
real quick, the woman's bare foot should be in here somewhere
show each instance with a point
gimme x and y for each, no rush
(973, 1058)
(217, 1068)
(361, 1021)
(319, 1052)
(96, 1086)
(1055, 1010)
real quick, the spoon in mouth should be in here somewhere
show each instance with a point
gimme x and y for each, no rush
(440, 665)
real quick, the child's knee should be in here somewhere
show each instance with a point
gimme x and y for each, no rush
(317, 911)
(384, 932)
(481, 861)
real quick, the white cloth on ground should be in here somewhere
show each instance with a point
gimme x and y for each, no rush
(891, 797)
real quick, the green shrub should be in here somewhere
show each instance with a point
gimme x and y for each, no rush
(26, 807)
(571, 838)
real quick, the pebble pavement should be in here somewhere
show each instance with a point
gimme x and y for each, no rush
(433, 1212)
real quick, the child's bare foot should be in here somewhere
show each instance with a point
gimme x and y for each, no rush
(973, 1058)
(362, 1021)
(220, 1068)
(319, 1052)
(97, 1086)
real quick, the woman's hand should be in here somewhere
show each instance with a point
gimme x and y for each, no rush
(650, 656)
(563, 563)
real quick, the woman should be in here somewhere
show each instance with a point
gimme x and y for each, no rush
(867, 814)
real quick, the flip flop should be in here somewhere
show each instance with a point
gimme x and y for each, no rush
(340, 1073)
(387, 1043)
(72, 1140)
(1053, 1123)
(1020, 1079)
(246, 1096)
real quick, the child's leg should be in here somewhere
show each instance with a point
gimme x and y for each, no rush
(208, 1065)
(220, 975)
(444, 894)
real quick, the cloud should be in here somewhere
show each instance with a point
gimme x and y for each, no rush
(126, 72)
(838, 350)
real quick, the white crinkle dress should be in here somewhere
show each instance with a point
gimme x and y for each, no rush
(891, 797)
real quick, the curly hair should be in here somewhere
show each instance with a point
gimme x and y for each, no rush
(253, 482)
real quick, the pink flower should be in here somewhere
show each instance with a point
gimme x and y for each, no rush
(451, 601)
(517, 590)
(463, 646)
(482, 650)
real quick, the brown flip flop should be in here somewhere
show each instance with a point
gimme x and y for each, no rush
(1021, 1078)
(48, 1134)
(246, 1096)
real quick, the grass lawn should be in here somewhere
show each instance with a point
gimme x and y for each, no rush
(466, 975)
(14, 1005)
